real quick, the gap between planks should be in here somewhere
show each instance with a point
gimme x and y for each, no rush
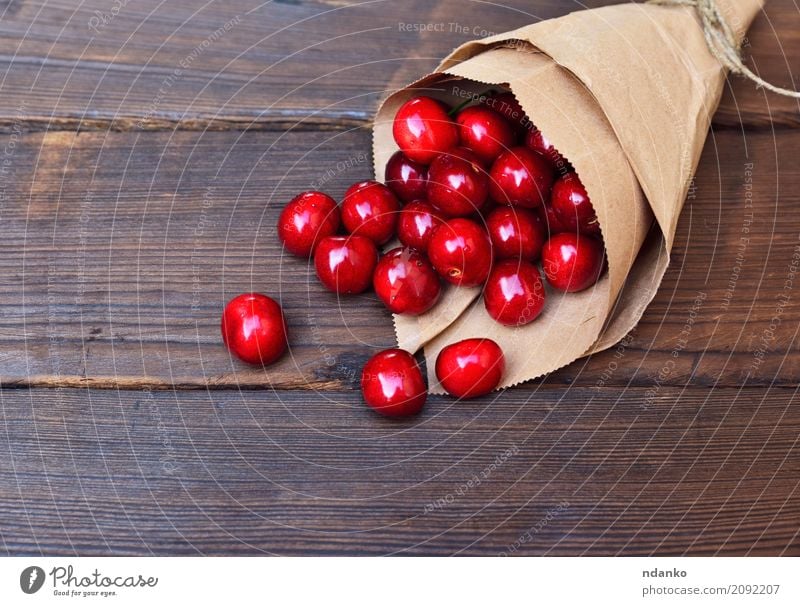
(273, 123)
(145, 384)
(283, 121)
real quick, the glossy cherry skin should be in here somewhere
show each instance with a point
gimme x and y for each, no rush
(305, 220)
(470, 368)
(521, 177)
(485, 132)
(406, 282)
(345, 264)
(572, 261)
(571, 204)
(423, 130)
(514, 292)
(392, 384)
(506, 105)
(254, 329)
(458, 185)
(417, 221)
(407, 179)
(461, 252)
(516, 233)
(370, 209)
(551, 220)
(536, 141)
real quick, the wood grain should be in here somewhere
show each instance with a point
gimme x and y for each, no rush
(243, 63)
(136, 200)
(120, 250)
(697, 472)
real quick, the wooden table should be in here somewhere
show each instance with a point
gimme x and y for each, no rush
(146, 152)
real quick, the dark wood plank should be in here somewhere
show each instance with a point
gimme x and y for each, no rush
(772, 50)
(120, 250)
(573, 471)
(127, 246)
(279, 63)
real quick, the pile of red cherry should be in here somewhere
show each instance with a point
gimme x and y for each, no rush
(476, 196)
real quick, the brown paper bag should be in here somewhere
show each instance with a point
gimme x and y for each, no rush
(626, 94)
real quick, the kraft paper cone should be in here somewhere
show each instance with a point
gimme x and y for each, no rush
(626, 93)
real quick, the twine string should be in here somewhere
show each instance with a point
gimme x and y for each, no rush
(722, 42)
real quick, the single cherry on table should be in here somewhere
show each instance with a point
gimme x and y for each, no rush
(458, 186)
(470, 368)
(417, 221)
(520, 177)
(305, 220)
(485, 132)
(370, 209)
(345, 264)
(461, 252)
(392, 384)
(407, 179)
(514, 293)
(406, 282)
(423, 129)
(516, 233)
(254, 329)
(573, 261)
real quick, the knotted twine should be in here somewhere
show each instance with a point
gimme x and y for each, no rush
(722, 42)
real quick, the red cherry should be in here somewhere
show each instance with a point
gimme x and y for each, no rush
(345, 264)
(253, 329)
(485, 132)
(571, 204)
(521, 177)
(370, 209)
(416, 224)
(506, 105)
(423, 130)
(514, 292)
(470, 368)
(535, 140)
(407, 179)
(572, 261)
(406, 283)
(305, 220)
(392, 384)
(515, 233)
(461, 252)
(551, 220)
(457, 183)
